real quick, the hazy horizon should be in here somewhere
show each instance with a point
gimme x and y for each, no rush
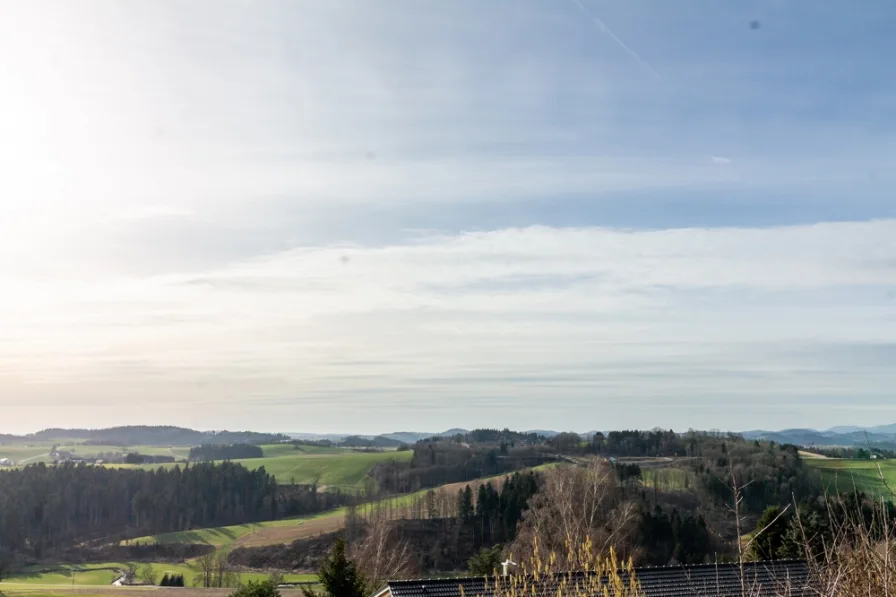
(358, 216)
(434, 430)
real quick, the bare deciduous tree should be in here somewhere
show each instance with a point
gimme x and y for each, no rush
(148, 575)
(382, 554)
(206, 565)
(225, 575)
(577, 506)
(130, 573)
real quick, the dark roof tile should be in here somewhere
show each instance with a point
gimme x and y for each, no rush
(761, 579)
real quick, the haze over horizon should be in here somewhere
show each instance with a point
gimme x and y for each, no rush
(341, 216)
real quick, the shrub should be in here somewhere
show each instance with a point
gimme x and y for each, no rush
(264, 588)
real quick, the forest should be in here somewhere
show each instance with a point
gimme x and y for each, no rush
(438, 461)
(207, 452)
(48, 508)
(151, 435)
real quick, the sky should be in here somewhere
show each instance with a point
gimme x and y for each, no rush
(353, 216)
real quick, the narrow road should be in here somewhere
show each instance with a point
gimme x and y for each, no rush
(27, 460)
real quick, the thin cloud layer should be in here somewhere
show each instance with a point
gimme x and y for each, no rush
(293, 215)
(579, 315)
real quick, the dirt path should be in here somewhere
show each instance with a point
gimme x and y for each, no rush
(27, 460)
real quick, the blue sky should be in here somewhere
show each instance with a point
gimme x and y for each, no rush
(362, 217)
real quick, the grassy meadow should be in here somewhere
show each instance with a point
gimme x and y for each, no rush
(52, 590)
(226, 538)
(104, 574)
(25, 453)
(342, 469)
(337, 468)
(276, 532)
(667, 479)
(841, 475)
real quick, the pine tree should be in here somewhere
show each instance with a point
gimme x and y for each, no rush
(339, 576)
(465, 504)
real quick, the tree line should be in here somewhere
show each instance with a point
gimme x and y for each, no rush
(48, 508)
(440, 461)
(207, 452)
(155, 435)
(493, 515)
(856, 453)
(137, 458)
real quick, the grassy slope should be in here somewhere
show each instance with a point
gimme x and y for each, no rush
(20, 590)
(106, 573)
(844, 474)
(342, 468)
(17, 451)
(288, 530)
(224, 538)
(275, 450)
(90, 574)
(40, 451)
(346, 469)
(670, 478)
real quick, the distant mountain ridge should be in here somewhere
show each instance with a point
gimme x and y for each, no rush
(408, 437)
(154, 435)
(883, 436)
(877, 429)
(402, 437)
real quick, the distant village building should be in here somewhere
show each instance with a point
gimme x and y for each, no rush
(62, 456)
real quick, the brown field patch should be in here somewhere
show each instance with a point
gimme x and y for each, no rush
(277, 535)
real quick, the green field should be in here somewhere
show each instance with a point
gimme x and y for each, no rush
(343, 469)
(34, 452)
(225, 538)
(31, 451)
(843, 475)
(109, 572)
(90, 574)
(275, 450)
(669, 478)
(335, 468)
(288, 530)
(36, 590)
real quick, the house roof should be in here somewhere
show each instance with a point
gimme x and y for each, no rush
(761, 579)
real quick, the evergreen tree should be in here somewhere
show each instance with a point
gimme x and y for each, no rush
(339, 576)
(486, 562)
(768, 543)
(465, 504)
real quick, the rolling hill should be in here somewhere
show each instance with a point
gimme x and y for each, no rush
(882, 436)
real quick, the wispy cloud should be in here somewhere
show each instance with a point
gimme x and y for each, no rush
(603, 27)
(598, 313)
(228, 221)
